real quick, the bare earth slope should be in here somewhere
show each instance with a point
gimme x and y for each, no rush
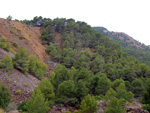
(12, 30)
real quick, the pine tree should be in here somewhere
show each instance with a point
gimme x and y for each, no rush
(97, 64)
(5, 96)
(37, 104)
(88, 105)
(66, 93)
(6, 64)
(121, 91)
(47, 89)
(138, 87)
(81, 90)
(103, 85)
(114, 106)
(21, 60)
(61, 74)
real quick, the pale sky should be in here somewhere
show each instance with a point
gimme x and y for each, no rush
(129, 16)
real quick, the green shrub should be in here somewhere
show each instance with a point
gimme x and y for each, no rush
(66, 93)
(6, 64)
(5, 45)
(103, 85)
(18, 92)
(100, 97)
(11, 31)
(21, 37)
(21, 60)
(37, 67)
(146, 96)
(15, 44)
(26, 84)
(14, 27)
(147, 107)
(22, 106)
(88, 105)
(5, 96)
(130, 96)
(37, 104)
(138, 87)
(47, 89)
(9, 79)
(19, 29)
(2, 42)
(114, 106)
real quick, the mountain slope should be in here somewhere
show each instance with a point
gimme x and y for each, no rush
(13, 31)
(16, 80)
(128, 44)
(90, 63)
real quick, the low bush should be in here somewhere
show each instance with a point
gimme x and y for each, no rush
(18, 92)
(11, 31)
(21, 37)
(15, 44)
(26, 84)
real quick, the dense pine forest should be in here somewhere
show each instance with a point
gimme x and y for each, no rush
(90, 67)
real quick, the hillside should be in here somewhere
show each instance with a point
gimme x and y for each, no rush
(92, 72)
(16, 80)
(128, 44)
(12, 30)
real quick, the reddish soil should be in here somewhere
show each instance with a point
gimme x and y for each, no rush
(12, 30)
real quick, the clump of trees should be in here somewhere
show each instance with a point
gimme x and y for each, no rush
(41, 100)
(25, 63)
(31, 64)
(37, 67)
